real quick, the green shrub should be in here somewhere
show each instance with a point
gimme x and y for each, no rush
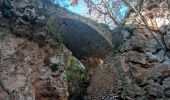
(75, 71)
(77, 79)
(52, 30)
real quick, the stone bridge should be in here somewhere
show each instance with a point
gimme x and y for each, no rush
(81, 35)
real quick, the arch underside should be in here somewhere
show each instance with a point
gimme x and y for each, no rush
(81, 39)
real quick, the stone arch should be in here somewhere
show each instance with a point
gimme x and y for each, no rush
(82, 39)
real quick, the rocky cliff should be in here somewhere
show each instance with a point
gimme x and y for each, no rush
(32, 63)
(140, 71)
(119, 64)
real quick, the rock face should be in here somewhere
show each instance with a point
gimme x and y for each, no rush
(31, 65)
(25, 15)
(26, 72)
(139, 71)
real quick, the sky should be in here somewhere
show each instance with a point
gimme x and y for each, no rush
(122, 12)
(82, 10)
(79, 9)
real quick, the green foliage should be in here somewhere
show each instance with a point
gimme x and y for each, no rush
(74, 71)
(52, 29)
(77, 79)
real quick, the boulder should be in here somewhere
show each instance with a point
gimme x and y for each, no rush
(156, 57)
(136, 43)
(152, 45)
(167, 60)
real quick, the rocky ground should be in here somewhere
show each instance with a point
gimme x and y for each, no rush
(140, 71)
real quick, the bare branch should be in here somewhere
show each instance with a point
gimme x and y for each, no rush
(109, 10)
(145, 24)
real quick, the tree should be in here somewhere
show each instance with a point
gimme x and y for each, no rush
(152, 9)
(140, 12)
(111, 12)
